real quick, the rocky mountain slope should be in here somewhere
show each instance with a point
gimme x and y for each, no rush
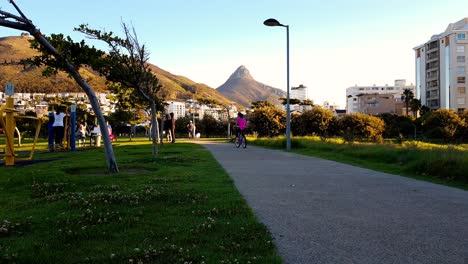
(242, 88)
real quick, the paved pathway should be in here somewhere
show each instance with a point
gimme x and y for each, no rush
(321, 211)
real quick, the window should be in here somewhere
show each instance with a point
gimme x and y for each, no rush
(461, 90)
(460, 58)
(461, 36)
(461, 69)
(460, 79)
(460, 48)
(461, 101)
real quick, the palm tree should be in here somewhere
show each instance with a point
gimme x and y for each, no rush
(407, 97)
(415, 106)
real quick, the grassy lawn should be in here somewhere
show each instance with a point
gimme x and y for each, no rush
(442, 164)
(181, 207)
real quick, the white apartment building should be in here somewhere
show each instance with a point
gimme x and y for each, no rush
(441, 68)
(178, 108)
(299, 92)
(354, 93)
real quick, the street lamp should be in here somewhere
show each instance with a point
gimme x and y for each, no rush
(271, 22)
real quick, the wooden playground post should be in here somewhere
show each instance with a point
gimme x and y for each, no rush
(9, 132)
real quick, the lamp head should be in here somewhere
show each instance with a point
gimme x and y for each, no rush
(271, 22)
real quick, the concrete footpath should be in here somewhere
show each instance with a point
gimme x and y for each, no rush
(321, 211)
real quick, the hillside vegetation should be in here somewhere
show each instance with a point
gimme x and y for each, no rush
(30, 79)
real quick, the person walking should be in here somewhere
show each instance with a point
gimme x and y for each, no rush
(173, 125)
(58, 126)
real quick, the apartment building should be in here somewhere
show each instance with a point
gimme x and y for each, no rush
(178, 108)
(383, 98)
(441, 68)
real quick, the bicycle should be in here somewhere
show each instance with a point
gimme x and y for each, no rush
(240, 140)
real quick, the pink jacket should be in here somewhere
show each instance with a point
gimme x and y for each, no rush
(242, 123)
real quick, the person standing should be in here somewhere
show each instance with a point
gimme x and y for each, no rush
(58, 126)
(109, 129)
(173, 124)
(167, 127)
(81, 133)
(191, 129)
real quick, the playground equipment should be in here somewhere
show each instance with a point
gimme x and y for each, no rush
(8, 125)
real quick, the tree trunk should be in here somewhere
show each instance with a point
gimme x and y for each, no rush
(154, 128)
(161, 131)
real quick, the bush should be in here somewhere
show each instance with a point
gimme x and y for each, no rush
(442, 124)
(312, 122)
(362, 127)
(268, 121)
(399, 127)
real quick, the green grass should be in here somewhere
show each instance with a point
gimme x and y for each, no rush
(181, 207)
(443, 164)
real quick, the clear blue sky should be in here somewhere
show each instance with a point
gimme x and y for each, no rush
(334, 44)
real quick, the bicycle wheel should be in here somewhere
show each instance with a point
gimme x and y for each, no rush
(237, 142)
(244, 141)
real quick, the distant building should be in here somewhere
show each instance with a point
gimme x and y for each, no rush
(441, 68)
(374, 104)
(353, 95)
(328, 106)
(299, 92)
(178, 108)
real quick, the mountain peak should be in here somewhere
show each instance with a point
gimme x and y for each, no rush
(241, 73)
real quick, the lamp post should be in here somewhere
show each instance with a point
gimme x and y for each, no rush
(271, 22)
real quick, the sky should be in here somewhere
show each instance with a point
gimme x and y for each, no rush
(333, 44)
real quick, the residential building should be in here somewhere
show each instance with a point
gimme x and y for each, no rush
(299, 92)
(178, 108)
(355, 103)
(374, 104)
(441, 68)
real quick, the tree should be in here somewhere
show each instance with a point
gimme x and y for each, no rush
(292, 101)
(260, 104)
(127, 64)
(415, 106)
(268, 121)
(407, 97)
(68, 57)
(443, 124)
(312, 122)
(361, 126)
(307, 102)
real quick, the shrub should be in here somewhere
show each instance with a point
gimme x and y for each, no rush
(361, 126)
(268, 121)
(442, 124)
(312, 122)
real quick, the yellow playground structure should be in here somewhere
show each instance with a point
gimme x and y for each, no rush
(8, 115)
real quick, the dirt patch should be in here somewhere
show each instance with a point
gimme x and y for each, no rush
(103, 172)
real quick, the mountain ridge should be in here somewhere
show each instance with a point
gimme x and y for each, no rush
(241, 87)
